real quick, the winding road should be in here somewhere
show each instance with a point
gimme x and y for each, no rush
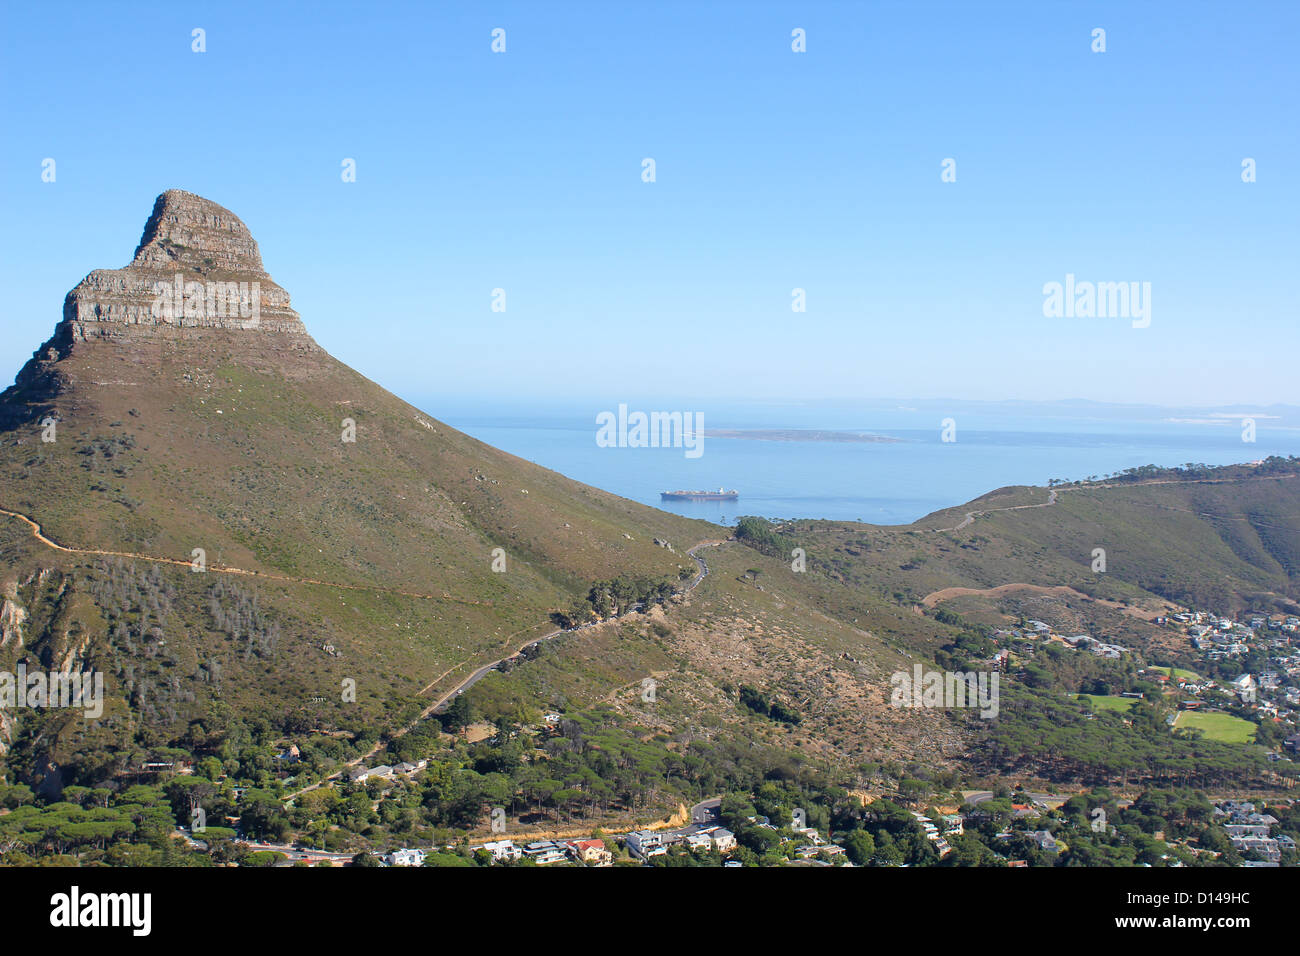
(972, 515)
(434, 707)
(483, 671)
(486, 669)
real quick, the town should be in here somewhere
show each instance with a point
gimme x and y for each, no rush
(1231, 677)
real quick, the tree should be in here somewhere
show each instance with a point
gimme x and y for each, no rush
(459, 714)
(860, 847)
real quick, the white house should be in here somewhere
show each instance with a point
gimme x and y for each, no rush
(545, 852)
(406, 857)
(724, 841)
(362, 774)
(645, 844)
(810, 834)
(502, 850)
(698, 841)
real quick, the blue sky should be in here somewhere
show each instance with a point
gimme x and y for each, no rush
(775, 170)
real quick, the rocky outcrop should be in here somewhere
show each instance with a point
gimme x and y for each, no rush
(196, 266)
(12, 619)
(196, 272)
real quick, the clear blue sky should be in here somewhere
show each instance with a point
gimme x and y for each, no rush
(775, 170)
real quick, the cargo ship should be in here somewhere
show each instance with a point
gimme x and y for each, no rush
(720, 495)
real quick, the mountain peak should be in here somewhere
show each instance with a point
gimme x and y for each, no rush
(197, 267)
(195, 288)
(185, 229)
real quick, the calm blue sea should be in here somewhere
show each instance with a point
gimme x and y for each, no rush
(879, 483)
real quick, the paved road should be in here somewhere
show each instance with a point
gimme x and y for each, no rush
(486, 669)
(1052, 800)
(1017, 796)
(295, 853)
(707, 811)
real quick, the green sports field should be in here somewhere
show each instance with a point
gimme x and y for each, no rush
(1222, 727)
(1110, 702)
(1182, 672)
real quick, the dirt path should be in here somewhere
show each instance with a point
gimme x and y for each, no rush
(1051, 496)
(40, 536)
(972, 515)
(945, 594)
(465, 684)
(1060, 590)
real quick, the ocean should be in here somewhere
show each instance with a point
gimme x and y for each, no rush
(997, 444)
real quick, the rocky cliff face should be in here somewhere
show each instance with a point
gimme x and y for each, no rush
(197, 266)
(12, 617)
(196, 277)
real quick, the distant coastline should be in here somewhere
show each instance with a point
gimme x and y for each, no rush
(796, 434)
(797, 471)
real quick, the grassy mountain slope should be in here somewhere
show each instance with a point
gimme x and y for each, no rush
(367, 560)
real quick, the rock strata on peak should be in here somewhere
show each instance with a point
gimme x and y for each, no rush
(197, 266)
(195, 295)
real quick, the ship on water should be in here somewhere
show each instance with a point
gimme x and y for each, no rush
(720, 495)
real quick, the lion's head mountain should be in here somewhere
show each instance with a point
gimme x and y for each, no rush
(232, 525)
(345, 534)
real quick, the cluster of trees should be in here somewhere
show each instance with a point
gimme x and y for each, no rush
(1274, 465)
(139, 608)
(882, 833)
(130, 828)
(593, 767)
(1092, 830)
(759, 534)
(612, 598)
(1040, 733)
(236, 613)
(756, 700)
(138, 603)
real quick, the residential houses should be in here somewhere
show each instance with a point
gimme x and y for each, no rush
(502, 851)
(591, 852)
(406, 857)
(362, 774)
(644, 844)
(1250, 832)
(932, 834)
(546, 852)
